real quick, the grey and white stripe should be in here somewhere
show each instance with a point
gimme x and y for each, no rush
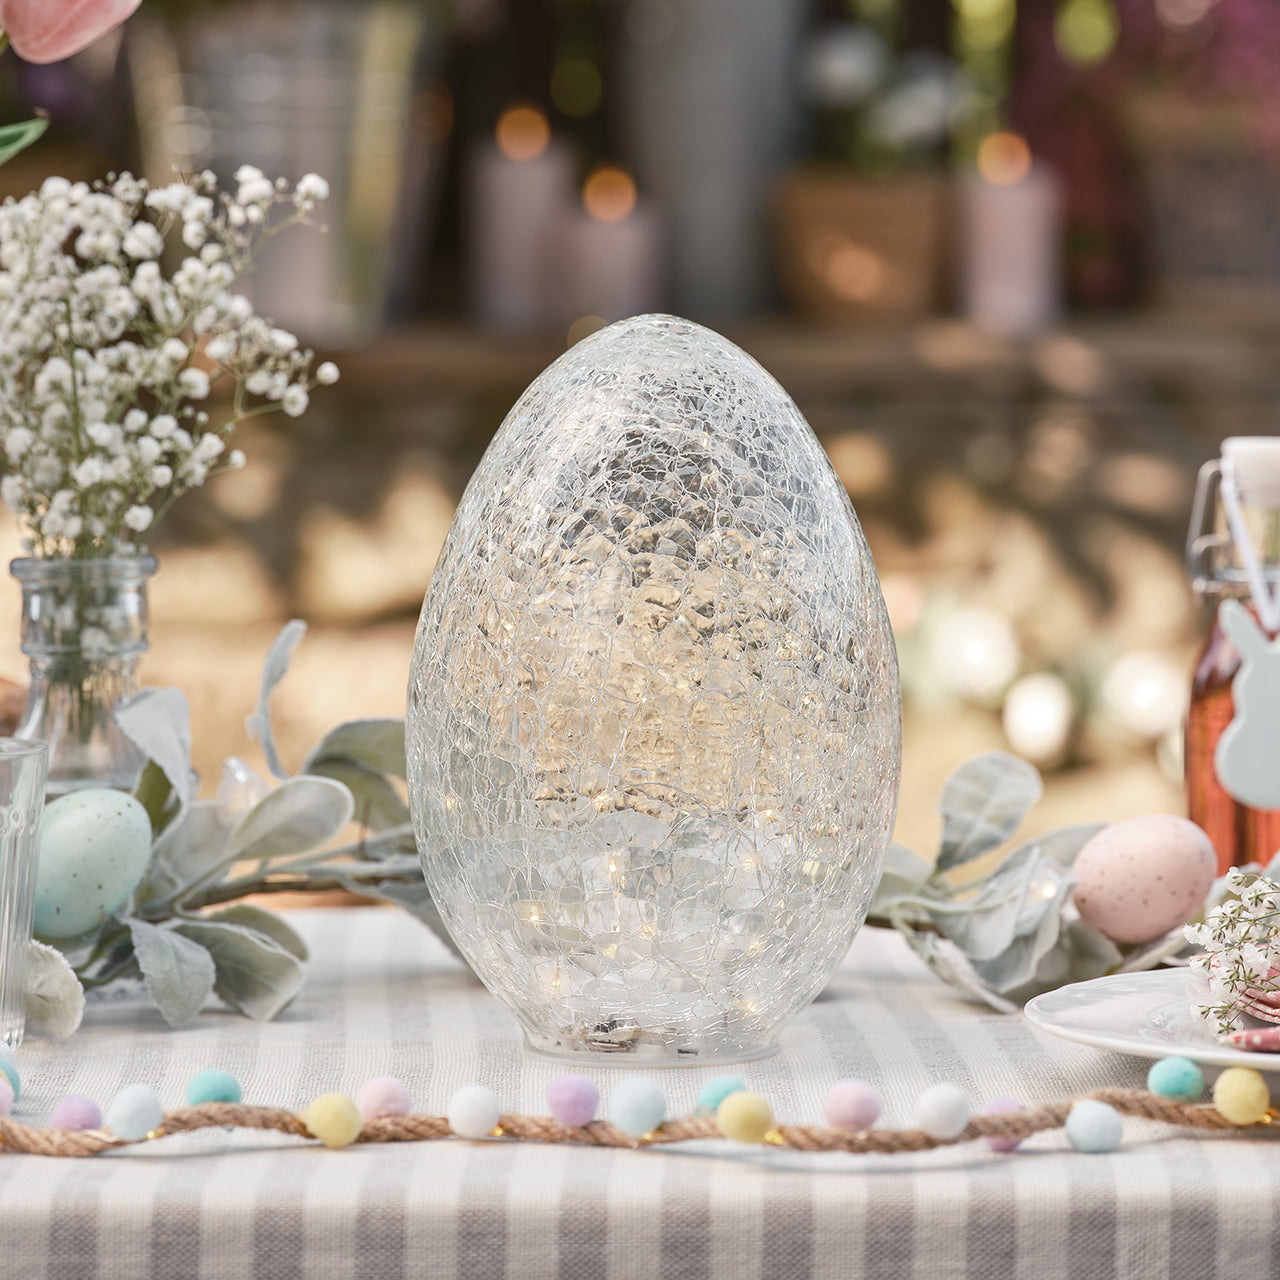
(383, 997)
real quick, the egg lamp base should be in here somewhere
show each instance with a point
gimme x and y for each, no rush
(641, 1052)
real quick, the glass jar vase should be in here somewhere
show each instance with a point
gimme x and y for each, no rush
(84, 627)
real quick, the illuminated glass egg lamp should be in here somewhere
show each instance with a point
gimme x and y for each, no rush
(654, 718)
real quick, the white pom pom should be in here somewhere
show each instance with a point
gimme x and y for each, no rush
(473, 1111)
(943, 1111)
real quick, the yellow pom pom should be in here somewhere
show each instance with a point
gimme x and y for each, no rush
(1241, 1095)
(744, 1117)
(334, 1119)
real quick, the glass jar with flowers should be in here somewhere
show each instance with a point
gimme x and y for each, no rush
(109, 364)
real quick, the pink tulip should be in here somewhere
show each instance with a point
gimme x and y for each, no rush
(50, 30)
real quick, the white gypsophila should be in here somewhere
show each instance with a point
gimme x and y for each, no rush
(107, 355)
(1240, 941)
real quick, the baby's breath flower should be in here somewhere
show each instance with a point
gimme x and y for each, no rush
(294, 401)
(99, 397)
(311, 188)
(194, 384)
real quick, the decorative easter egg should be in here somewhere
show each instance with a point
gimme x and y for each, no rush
(654, 720)
(94, 848)
(1142, 877)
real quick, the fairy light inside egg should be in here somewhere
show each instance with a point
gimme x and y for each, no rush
(654, 719)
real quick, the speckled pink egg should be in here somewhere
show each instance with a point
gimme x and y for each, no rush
(1142, 877)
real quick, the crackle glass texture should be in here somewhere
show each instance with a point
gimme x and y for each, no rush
(654, 719)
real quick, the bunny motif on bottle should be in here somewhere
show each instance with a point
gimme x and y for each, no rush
(1248, 753)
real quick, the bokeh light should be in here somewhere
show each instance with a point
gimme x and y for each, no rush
(609, 194)
(1004, 158)
(576, 86)
(1180, 15)
(522, 132)
(1038, 714)
(855, 274)
(1086, 31)
(976, 653)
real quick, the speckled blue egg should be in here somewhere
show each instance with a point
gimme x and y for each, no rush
(94, 848)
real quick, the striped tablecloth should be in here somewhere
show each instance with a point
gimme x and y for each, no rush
(383, 997)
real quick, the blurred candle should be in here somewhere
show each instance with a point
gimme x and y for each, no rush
(520, 193)
(612, 250)
(1010, 247)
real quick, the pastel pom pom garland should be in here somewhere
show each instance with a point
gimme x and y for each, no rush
(638, 1107)
(852, 1105)
(134, 1112)
(638, 1116)
(1177, 1078)
(212, 1085)
(573, 1100)
(383, 1096)
(1094, 1127)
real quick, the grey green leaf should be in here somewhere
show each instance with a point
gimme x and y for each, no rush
(178, 971)
(376, 745)
(301, 815)
(259, 724)
(982, 803)
(377, 804)
(260, 920)
(255, 974)
(53, 994)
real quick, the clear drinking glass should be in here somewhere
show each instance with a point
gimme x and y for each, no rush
(22, 777)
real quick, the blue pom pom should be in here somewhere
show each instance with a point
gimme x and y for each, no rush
(717, 1089)
(134, 1112)
(637, 1107)
(11, 1074)
(212, 1085)
(1094, 1126)
(6, 1054)
(1176, 1078)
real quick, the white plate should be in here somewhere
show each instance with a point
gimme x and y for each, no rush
(1144, 1014)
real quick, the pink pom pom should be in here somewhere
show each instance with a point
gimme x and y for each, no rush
(382, 1096)
(852, 1105)
(997, 1107)
(573, 1100)
(6, 1097)
(76, 1111)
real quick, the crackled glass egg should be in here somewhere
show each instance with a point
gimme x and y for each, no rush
(654, 718)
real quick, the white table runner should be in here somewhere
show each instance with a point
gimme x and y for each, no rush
(383, 997)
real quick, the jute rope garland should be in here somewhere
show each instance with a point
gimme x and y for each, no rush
(23, 1139)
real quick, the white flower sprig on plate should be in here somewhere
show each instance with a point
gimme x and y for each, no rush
(1240, 961)
(107, 357)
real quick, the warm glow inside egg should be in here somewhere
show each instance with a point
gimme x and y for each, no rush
(654, 717)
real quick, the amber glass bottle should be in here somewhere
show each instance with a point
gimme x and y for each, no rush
(1239, 832)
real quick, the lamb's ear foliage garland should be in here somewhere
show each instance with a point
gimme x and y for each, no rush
(185, 932)
(1002, 927)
